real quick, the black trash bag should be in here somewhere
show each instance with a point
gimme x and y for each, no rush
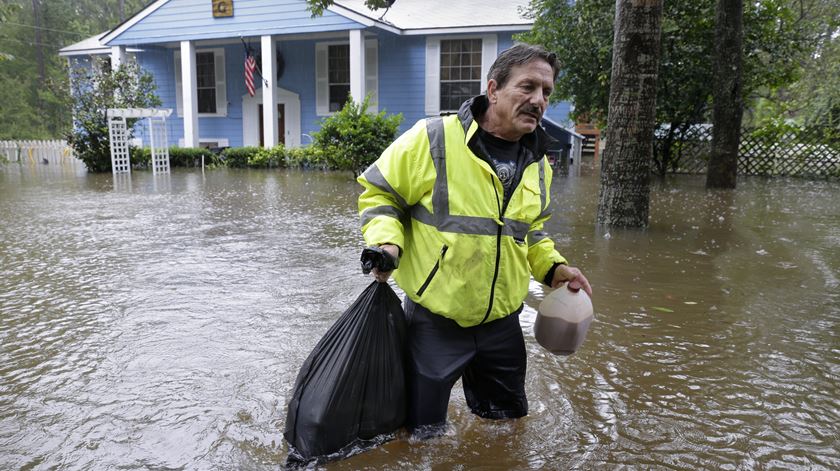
(350, 392)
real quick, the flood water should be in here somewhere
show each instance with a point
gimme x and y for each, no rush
(160, 322)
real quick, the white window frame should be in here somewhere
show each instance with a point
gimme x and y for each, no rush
(221, 141)
(489, 51)
(221, 86)
(322, 86)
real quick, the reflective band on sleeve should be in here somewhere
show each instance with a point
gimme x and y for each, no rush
(375, 178)
(536, 236)
(369, 214)
(543, 194)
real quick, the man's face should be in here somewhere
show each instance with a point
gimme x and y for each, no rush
(520, 104)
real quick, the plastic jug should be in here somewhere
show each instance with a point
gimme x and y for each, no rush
(563, 320)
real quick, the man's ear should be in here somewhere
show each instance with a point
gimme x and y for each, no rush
(492, 88)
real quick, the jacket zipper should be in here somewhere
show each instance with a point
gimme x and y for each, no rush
(432, 273)
(498, 252)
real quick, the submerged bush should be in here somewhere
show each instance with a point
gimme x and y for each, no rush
(178, 157)
(268, 158)
(95, 89)
(238, 157)
(353, 138)
(310, 157)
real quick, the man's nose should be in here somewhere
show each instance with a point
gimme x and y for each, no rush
(540, 99)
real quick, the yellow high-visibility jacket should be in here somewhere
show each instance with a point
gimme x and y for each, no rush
(461, 256)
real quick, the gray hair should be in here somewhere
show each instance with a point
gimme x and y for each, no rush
(518, 55)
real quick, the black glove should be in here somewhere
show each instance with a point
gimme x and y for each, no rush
(375, 257)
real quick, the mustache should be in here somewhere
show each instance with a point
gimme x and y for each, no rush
(532, 110)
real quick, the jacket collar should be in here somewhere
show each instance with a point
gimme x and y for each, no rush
(537, 142)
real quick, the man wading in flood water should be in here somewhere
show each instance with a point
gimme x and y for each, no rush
(462, 200)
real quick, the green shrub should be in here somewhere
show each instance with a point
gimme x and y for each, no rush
(268, 158)
(96, 88)
(141, 157)
(238, 157)
(352, 138)
(310, 157)
(178, 157)
(190, 156)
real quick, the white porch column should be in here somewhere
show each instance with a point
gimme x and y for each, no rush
(357, 65)
(269, 95)
(117, 56)
(189, 91)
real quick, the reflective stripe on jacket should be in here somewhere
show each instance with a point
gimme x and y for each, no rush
(462, 256)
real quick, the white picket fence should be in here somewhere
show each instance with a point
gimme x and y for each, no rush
(33, 152)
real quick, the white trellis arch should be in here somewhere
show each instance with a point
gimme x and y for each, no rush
(158, 139)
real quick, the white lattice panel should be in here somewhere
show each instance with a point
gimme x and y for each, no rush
(159, 145)
(118, 133)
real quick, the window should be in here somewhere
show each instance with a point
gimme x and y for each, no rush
(205, 70)
(332, 75)
(338, 73)
(460, 72)
(456, 69)
(211, 91)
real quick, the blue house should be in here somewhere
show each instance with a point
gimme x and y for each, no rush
(419, 58)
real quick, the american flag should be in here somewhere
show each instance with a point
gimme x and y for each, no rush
(250, 66)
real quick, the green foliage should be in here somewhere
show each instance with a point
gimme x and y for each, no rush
(268, 158)
(141, 157)
(34, 94)
(311, 157)
(352, 139)
(582, 34)
(238, 157)
(317, 7)
(178, 157)
(95, 89)
(191, 156)
(817, 95)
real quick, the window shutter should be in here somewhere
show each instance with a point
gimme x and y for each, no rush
(179, 97)
(372, 74)
(221, 88)
(322, 86)
(432, 76)
(489, 51)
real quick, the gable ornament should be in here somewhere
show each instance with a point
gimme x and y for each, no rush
(222, 8)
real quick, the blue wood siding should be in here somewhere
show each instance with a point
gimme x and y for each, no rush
(402, 73)
(402, 76)
(160, 62)
(180, 20)
(299, 77)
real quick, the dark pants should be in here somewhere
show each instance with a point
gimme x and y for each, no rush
(490, 358)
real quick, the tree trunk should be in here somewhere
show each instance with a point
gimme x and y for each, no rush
(624, 199)
(728, 101)
(39, 52)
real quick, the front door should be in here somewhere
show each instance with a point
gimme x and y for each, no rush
(281, 123)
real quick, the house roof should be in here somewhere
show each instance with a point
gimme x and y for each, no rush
(436, 16)
(558, 131)
(405, 17)
(90, 46)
